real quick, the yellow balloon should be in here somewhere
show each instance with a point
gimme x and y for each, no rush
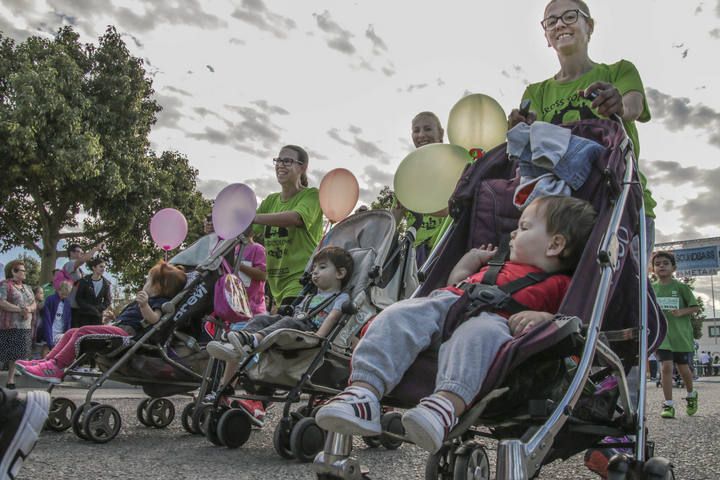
(426, 178)
(477, 121)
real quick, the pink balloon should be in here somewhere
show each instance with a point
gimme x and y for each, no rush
(339, 192)
(168, 228)
(234, 210)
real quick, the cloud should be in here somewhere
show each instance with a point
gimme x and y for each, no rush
(354, 129)
(255, 13)
(132, 37)
(270, 109)
(236, 41)
(697, 212)
(416, 86)
(170, 115)
(177, 90)
(388, 70)
(211, 188)
(678, 113)
(263, 186)
(339, 38)
(378, 43)
(188, 12)
(364, 147)
(210, 68)
(375, 179)
(715, 33)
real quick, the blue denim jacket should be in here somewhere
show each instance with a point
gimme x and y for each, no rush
(543, 147)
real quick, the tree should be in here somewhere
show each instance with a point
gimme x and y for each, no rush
(384, 200)
(75, 156)
(32, 269)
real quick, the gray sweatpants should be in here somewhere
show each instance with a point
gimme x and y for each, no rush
(403, 330)
(266, 324)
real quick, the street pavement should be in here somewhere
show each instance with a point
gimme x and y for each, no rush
(144, 453)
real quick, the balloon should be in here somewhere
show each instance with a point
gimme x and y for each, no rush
(168, 228)
(234, 210)
(477, 121)
(426, 178)
(339, 192)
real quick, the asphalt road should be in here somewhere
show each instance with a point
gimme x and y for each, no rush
(139, 452)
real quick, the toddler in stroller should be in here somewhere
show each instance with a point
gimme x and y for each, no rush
(544, 249)
(164, 281)
(318, 312)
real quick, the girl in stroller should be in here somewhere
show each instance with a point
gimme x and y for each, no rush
(550, 237)
(164, 281)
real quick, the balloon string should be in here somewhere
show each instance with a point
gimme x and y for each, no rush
(327, 227)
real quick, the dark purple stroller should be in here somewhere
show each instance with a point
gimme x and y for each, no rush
(542, 398)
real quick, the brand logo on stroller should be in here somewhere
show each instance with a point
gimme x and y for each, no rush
(197, 295)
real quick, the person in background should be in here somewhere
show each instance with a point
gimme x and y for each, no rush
(93, 296)
(679, 304)
(56, 317)
(426, 129)
(72, 269)
(17, 306)
(290, 224)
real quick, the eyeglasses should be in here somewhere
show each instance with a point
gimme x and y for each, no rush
(568, 17)
(285, 162)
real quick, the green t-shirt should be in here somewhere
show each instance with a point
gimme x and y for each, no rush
(289, 249)
(558, 102)
(673, 296)
(430, 230)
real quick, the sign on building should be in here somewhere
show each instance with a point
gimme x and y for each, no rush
(697, 262)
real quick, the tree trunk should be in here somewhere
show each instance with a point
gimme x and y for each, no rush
(47, 261)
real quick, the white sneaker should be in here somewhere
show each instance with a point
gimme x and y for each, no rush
(224, 351)
(428, 424)
(355, 411)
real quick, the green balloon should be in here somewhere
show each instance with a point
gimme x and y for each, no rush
(477, 121)
(427, 177)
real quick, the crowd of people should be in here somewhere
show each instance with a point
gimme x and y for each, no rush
(288, 228)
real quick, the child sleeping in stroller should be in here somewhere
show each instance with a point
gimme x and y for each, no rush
(164, 281)
(332, 268)
(550, 238)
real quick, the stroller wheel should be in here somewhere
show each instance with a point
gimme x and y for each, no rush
(391, 422)
(186, 417)
(234, 428)
(281, 435)
(439, 465)
(102, 423)
(210, 424)
(198, 418)
(77, 420)
(160, 412)
(372, 442)
(142, 413)
(306, 440)
(472, 464)
(60, 415)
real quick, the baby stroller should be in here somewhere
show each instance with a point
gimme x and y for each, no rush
(290, 363)
(546, 396)
(166, 360)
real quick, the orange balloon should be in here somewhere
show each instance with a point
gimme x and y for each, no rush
(339, 193)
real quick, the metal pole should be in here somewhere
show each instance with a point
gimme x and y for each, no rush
(712, 296)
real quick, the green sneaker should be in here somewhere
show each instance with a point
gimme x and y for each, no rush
(668, 411)
(692, 403)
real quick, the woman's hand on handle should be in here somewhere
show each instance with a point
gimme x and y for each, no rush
(608, 100)
(516, 117)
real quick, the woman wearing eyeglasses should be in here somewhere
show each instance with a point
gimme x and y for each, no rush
(17, 305)
(291, 223)
(564, 98)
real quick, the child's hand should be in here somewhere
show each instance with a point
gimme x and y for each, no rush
(142, 298)
(523, 321)
(108, 316)
(482, 254)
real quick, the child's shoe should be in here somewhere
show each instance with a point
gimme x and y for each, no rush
(224, 351)
(668, 411)
(255, 409)
(354, 411)
(47, 371)
(692, 403)
(22, 419)
(228, 391)
(241, 340)
(27, 363)
(428, 424)
(597, 459)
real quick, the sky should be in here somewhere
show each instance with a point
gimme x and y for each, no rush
(239, 79)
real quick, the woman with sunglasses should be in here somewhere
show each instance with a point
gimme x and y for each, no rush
(17, 306)
(291, 223)
(565, 98)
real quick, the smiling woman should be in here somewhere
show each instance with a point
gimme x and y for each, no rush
(17, 304)
(291, 223)
(568, 28)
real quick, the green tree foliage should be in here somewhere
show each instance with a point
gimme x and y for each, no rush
(75, 156)
(384, 200)
(32, 269)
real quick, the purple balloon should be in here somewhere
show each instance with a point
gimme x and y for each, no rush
(234, 210)
(168, 228)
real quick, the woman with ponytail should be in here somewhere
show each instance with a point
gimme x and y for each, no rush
(291, 223)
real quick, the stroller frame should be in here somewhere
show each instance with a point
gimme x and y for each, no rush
(523, 458)
(101, 423)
